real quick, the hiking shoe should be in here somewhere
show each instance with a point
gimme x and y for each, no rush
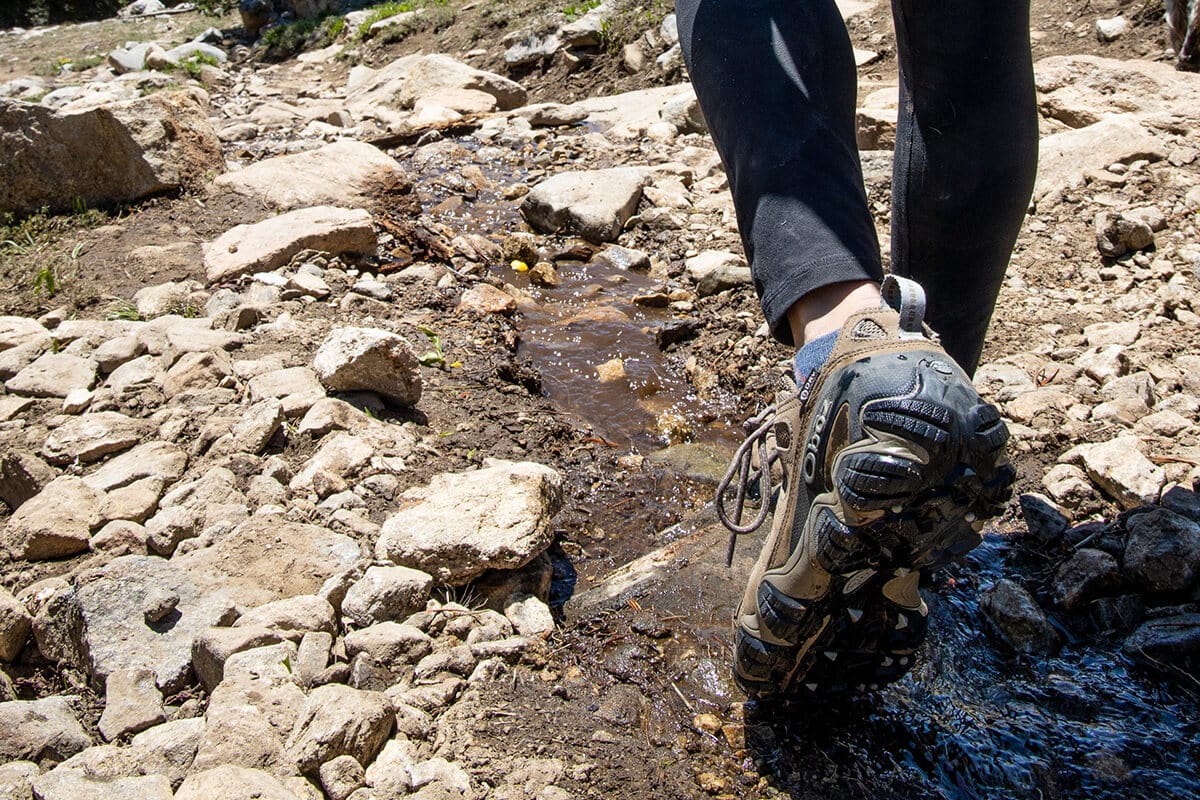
(890, 462)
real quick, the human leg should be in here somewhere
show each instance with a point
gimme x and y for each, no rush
(777, 82)
(966, 157)
(890, 459)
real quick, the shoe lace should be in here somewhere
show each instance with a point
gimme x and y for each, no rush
(743, 473)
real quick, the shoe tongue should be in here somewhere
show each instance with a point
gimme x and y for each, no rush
(906, 298)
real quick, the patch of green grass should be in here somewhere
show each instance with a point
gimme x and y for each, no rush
(39, 247)
(628, 21)
(284, 41)
(194, 63)
(379, 13)
(577, 10)
(123, 310)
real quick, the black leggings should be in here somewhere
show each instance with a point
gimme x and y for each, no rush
(776, 81)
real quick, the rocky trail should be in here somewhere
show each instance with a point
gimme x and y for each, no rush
(365, 390)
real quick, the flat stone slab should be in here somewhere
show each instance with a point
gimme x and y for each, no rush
(54, 375)
(341, 174)
(270, 244)
(268, 558)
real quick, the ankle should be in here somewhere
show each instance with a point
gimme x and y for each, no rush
(824, 310)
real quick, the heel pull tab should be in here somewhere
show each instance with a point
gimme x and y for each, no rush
(907, 298)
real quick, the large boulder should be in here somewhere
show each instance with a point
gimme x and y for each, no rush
(99, 624)
(342, 173)
(370, 360)
(271, 243)
(465, 523)
(109, 154)
(594, 204)
(34, 730)
(400, 84)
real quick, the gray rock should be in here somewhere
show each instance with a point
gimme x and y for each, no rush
(256, 427)
(623, 258)
(1125, 332)
(15, 331)
(22, 476)
(715, 271)
(312, 656)
(1111, 29)
(1119, 468)
(292, 616)
(159, 604)
(369, 359)
(54, 375)
(1085, 575)
(213, 648)
(386, 593)
(165, 298)
(390, 643)
(462, 524)
(406, 80)
(542, 115)
(458, 660)
(16, 778)
(168, 749)
(229, 782)
(530, 616)
(1064, 157)
(14, 626)
(340, 456)
(531, 49)
(72, 785)
(337, 720)
(250, 713)
(439, 770)
(1172, 640)
(1162, 553)
(171, 526)
(1019, 620)
(134, 148)
(297, 388)
(594, 204)
(685, 114)
(390, 774)
(1042, 517)
(90, 437)
(270, 244)
(343, 173)
(135, 502)
(132, 703)
(98, 625)
(37, 730)
(116, 352)
(341, 776)
(273, 664)
(57, 522)
(267, 558)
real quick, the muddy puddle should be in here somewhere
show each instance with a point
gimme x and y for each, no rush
(589, 320)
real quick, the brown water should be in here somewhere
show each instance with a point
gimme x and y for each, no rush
(588, 319)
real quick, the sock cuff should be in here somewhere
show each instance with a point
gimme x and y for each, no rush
(813, 355)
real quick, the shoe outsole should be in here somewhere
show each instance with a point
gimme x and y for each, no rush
(896, 515)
